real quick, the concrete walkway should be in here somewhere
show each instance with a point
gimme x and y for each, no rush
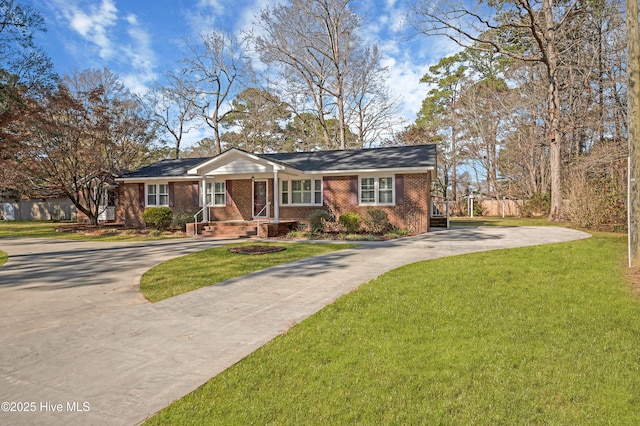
(78, 341)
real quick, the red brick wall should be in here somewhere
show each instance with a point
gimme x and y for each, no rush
(129, 209)
(238, 204)
(186, 197)
(412, 214)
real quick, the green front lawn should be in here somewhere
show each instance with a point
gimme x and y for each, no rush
(46, 229)
(536, 335)
(208, 267)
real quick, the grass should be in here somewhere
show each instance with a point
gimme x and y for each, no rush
(3, 257)
(215, 265)
(46, 229)
(536, 335)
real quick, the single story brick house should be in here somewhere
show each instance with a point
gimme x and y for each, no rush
(285, 187)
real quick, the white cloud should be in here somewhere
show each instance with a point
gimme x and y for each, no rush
(388, 28)
(106, 39)
(406, 55)
(250, 14)
(404, 82)
(138, 83)
(131, 19)
(141, 56)
(204, 16)
(94, 24)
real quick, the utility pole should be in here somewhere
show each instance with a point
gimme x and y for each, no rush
(633, 95)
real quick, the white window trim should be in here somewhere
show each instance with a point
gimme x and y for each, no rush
(212, 193)
(289, 193)
(146, 194)
(376, 182)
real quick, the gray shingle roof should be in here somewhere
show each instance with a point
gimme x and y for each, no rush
(400, 157)
(358, 159)
(170, 168)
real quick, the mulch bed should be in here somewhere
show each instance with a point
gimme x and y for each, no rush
(85, 227)
(256, 249)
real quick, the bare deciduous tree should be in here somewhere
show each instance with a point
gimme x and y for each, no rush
(326, 70)
(371, 109)
(215, 70)
(172, 109)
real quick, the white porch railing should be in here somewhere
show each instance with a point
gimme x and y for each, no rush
(195, 217)
(257, 218)
(440, 208)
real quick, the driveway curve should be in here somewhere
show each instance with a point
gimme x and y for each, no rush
(48, 283)
(79, 345)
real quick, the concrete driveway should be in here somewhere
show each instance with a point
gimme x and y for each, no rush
(79, 345)
(49, 283)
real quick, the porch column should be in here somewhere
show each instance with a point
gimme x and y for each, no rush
(276, 202)
(205, 209)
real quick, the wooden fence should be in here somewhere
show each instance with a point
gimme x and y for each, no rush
(502, 207)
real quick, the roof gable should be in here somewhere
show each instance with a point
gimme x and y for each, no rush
(236, 161)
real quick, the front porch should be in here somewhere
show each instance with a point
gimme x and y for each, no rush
(240, 229)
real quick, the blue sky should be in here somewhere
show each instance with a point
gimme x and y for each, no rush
(140, 39)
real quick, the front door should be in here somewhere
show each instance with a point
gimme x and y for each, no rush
(260, 198)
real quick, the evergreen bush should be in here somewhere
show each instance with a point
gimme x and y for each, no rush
(157, 217)
(317, 219)
(376, 221)
(351, 222)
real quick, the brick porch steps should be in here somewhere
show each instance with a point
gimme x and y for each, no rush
(238, 229)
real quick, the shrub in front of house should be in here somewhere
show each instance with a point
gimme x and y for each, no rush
(351, 222)
(376, 221)
(157, 217)
(396, 233)
(317, 219)
(181, 220)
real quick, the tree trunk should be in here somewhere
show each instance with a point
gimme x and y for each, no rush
(454, 168)
(555, 142)
(341, 121)
(93, 220)
(633, 117)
